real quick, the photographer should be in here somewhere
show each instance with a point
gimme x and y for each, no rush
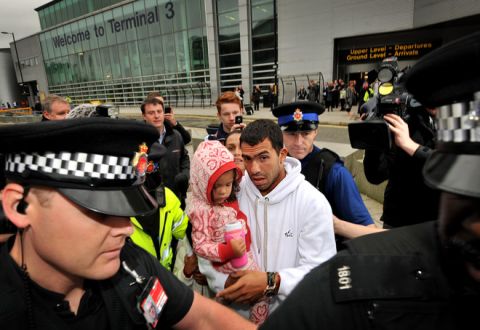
(407, 199)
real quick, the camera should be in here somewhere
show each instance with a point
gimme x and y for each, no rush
(238, 119)
(168, 109)
(373, 131)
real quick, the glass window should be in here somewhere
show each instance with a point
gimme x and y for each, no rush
(156, 47)
(263, 42)
(145, 57)
(153, 29)
(169, 54)
(195, 14)
(262, 11)
(100, 31)
(83, 35)
(70, 12)
(129, 23)
(62, 12)
(264, 56)
(120, 25)
(230, 60)
(180, 16)
(183, 51)
(142, 26)
(197, 51)
(90, 27)
(59, 34)
(263, 27)
(108, 19)
(228, 19)
(167, 14)
(41, 16)
(227, 47)
(225, 5)
(105, 60)
(68, 70)
(124, 61)
(75, 67)
(115, 62)
(134, 59)
(229, 33)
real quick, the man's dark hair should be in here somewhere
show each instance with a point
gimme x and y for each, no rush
(150, 100)
(261, 129)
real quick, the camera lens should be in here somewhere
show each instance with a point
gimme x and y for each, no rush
(385, 74)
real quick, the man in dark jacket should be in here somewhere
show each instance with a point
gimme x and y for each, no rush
(424, 276)
(407, 199)
(175, 166)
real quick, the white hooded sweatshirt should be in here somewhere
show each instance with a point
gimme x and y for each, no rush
(291, 229)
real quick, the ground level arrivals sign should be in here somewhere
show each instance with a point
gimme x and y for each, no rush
(378, 53)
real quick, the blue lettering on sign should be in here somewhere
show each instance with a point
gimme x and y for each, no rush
(116, 25)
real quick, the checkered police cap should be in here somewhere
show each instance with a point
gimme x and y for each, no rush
(449, 79)
(89, 160)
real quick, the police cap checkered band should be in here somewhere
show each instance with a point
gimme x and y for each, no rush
(458, 122)
(88, 160)
(72, 166)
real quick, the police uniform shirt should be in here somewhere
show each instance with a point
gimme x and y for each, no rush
(342, 193)
(52, 312)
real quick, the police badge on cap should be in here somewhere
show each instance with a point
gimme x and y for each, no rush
(298, 116)
(449, 78)
(89, 161)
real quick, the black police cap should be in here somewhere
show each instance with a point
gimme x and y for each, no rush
(449, 79)
(97, 163)
(298, 116)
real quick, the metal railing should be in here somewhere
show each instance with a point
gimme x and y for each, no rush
(290, 85)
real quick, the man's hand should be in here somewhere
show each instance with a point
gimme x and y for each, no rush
(401, 133)
(238, 127)
(244, 287)
(190, 265)
(170, 117)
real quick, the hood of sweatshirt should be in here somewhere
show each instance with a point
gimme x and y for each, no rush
(282, 190)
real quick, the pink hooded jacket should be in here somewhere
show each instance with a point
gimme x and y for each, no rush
(210, 161)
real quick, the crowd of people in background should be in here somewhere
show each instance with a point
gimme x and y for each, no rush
(288, 197)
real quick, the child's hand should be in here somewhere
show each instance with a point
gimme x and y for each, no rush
(238, 247)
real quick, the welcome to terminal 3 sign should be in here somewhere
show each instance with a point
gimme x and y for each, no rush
(378, 53)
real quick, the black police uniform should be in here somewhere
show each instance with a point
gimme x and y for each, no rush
(98, 164)
(407, 278)
(396, 280)
(108, 304)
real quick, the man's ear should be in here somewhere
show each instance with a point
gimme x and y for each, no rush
(283, 154)
(12, 196)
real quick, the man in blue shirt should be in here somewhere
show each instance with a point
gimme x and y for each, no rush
(322, 167)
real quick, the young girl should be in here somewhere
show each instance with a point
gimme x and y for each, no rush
(214, 180)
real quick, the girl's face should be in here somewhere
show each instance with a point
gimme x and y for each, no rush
(222, 189)
(232, 143)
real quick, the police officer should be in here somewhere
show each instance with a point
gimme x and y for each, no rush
(71, 186)
(427, 276)
(321, 167)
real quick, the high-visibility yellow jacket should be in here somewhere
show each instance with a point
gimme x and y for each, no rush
(173, 223)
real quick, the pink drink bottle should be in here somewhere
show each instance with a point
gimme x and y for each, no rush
(235, 230)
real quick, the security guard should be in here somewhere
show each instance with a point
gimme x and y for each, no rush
(321, 167)
(155, 232)
(71, 187)
(424, 276)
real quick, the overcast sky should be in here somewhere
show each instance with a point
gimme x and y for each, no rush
(19, 17)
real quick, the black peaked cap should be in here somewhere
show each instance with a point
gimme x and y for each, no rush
(448, 74)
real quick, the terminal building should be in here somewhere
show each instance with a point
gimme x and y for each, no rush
(118, 51)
